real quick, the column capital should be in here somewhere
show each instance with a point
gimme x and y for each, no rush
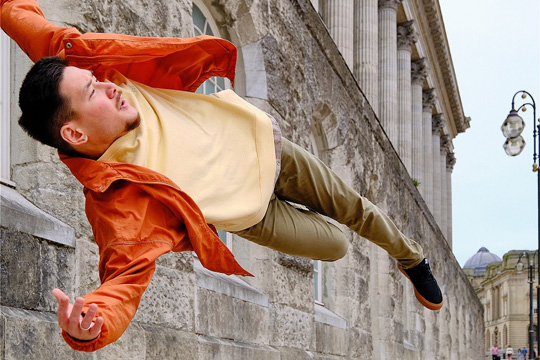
(428, 99)
(392, 4)
(437, 124)
(419, 71)
(450, 161)
(445, 144)
(406, 35)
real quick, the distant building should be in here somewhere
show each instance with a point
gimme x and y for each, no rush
(504, 293)
(475, 267)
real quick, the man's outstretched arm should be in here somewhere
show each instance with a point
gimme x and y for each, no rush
(125, 271)
(24, 22)
(169, 63)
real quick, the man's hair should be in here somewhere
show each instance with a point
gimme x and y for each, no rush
(44, 110)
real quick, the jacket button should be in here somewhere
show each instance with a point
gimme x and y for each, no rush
(68, 45)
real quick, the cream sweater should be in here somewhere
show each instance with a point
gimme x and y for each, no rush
(218, 148)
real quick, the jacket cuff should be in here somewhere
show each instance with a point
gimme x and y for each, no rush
(80, 345)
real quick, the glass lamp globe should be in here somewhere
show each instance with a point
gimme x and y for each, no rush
(519, 267)
(513, 125)
(514, 146)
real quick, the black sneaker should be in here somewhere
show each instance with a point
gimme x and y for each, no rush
(425, 286)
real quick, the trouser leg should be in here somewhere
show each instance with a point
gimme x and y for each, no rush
(305, 180)
(296, 231)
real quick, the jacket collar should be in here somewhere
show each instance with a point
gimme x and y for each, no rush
(97, 176)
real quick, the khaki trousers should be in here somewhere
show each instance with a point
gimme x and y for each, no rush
(305, 180)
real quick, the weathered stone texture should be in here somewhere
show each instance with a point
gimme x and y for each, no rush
(163, 343)
(30, 268)
(33, 335)
(168, 300)
(227, 317)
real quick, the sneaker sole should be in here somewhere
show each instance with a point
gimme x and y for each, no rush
(420, 298)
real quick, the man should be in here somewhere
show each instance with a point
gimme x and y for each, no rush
(524, 353)
(152, 157)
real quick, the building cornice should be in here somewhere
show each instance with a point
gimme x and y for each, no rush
(431, 22)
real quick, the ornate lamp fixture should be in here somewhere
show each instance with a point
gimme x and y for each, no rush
(512, 128)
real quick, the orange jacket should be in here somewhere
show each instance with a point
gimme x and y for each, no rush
(136, 214)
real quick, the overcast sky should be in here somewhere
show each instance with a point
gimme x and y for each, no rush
(495, 51)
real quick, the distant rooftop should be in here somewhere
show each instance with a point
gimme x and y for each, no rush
(481, 260)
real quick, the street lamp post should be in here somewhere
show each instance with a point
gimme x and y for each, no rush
(519, 267)
(512, 128)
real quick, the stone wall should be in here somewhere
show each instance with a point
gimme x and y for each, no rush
(290, 67)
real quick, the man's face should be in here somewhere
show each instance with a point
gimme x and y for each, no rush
(101, 113)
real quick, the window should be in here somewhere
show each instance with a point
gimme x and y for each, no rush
(226, 237)
(317, 264)
(203, 25)
(4, 109)
(317, 280)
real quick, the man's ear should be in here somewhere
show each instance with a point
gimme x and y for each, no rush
(72, 135)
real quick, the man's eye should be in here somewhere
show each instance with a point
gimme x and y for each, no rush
(92, 94)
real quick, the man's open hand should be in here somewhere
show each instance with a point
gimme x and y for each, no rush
(71, 320)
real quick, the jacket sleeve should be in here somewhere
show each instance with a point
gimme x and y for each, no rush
(128, 270)
(170, 63)
(24, 22)
(131, 235)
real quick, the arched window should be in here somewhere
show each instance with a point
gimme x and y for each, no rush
(204, 25)
(496, 337)
(318, 273)
(4, 109)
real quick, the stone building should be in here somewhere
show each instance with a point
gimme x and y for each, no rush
(503, 290)
(475, 267)
(369, 87)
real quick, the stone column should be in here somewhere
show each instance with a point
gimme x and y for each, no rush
(450, 162)
(418, 75)
(436, 139)
(426, 188)
(445, 145)
(388, 67)
(381, 297)
(339, 18)
(366, 53)
(405, 39)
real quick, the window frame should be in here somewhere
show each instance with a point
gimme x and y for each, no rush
(317, 281)
(5, 113)
(211, 85)
(212, 82)
(318, 271)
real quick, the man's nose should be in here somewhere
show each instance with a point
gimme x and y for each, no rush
(110, 90)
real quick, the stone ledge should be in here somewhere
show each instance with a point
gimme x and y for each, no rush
(214, 348)
(31, 335)
(21, 215)
(325, 316)
(229, 285)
